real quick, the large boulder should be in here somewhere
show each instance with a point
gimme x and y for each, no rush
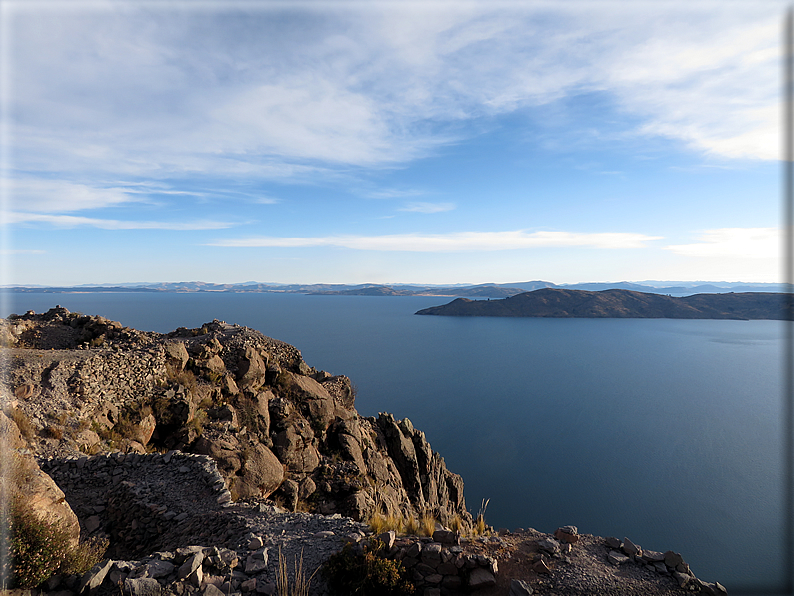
(39, 494)
(251, 369)
(177, 354)
(261, 473)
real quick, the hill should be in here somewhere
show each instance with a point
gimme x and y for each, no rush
(559, 303)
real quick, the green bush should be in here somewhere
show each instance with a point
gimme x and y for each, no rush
(369, 573)
(35, 549)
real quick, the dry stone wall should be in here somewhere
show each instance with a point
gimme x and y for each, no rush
(146, 503)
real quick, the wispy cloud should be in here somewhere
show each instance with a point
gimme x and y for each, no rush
(59, 196)
(116, 90)
(428, 207)
(736, 243)
(465, 241)
(394, 193)
(73, 221)
(21, 251)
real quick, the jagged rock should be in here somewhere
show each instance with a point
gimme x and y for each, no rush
(480, 579)
(212, 590)
(681, 578)
(215, 364)
(94, 577)
(252, 369)
(569, 534)
(248, 585)
(671, 559)
(617, 558)
(177, 353)
(519, 587)
(256, 562)
(550, 545)
(387, 538)
(189, 568)
(144, 586)
(631, 549)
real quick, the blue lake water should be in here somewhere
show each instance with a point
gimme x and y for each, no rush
(665, 431)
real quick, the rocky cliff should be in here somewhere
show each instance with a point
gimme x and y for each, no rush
(276, 427)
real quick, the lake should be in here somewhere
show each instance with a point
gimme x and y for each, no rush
(665, 431)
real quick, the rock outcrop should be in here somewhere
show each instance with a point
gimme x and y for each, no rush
(23, 480)
(275, 426)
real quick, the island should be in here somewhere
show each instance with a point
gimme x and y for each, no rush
(625, 304)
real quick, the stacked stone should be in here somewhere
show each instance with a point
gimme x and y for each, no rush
(667, 563)
(439, 565)
(146, 502)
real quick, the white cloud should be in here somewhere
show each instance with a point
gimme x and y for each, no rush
(48, 196)
(72, 221)
(736, 243)
(465, 241)
(162, 92)
(428, 207)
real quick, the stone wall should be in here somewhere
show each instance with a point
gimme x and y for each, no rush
(145, 503)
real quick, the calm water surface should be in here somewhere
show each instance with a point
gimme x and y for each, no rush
(665, 431)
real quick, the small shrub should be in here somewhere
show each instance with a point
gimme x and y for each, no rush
(247, 414)
(213, 377)
(367, 574)
(197, 424)
(23, 423)
(184, 377)
(35, 548)
(54, 432)
(85, 556)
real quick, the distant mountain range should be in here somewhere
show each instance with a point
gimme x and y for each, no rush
(473, 291)
(616, 303)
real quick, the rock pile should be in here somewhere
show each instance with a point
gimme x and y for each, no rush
(439, 564)
(667, 563)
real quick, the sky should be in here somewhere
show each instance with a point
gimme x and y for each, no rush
(387, 142)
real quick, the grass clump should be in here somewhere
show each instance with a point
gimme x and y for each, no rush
(427, 525)
(456, 523)
(480, 527)
(380, 523)
(300, 583)
(412, 526)
(366, 573)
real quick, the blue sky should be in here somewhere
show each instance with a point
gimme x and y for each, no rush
(384, 142)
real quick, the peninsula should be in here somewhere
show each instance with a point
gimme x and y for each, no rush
(625, 304)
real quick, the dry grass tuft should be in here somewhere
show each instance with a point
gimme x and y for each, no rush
(300, 583)
(427, 525)
(480, 527)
